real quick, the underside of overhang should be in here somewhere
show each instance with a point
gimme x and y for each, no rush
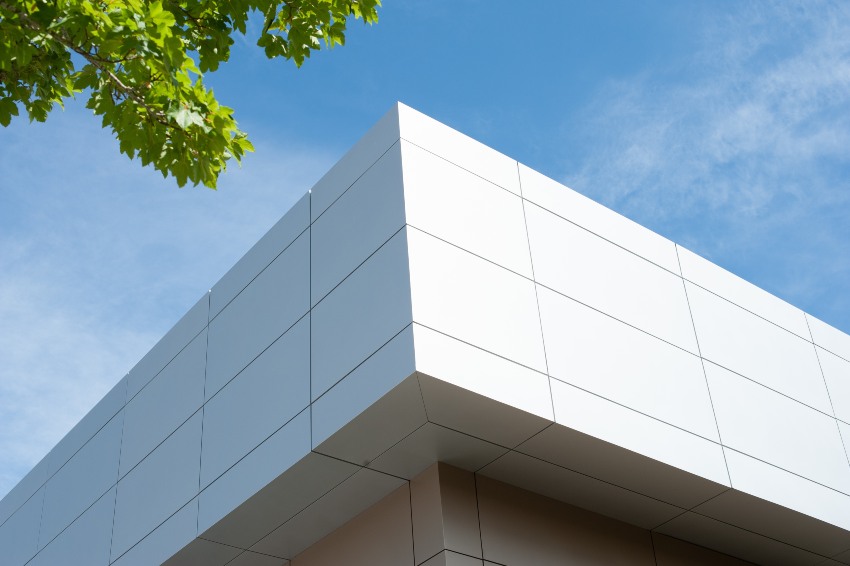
(425, 420)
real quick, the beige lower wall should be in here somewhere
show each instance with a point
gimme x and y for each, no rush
(518, 527)
(380, 536)
(450, 517)
(671, 551)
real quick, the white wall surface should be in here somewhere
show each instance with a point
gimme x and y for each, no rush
(537, 326)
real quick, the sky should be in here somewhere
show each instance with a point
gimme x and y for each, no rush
(724, 126)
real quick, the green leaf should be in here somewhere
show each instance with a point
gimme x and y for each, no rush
(8, 108)
(141, 62)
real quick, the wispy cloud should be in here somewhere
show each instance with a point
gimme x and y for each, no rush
(100, 257)
(743, 143)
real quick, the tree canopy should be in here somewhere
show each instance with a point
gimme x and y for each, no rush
(143, 61)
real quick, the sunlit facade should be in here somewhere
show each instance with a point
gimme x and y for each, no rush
(439, 356)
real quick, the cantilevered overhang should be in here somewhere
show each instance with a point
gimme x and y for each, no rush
(433, 300)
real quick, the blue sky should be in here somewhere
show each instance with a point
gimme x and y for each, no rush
(724, 126)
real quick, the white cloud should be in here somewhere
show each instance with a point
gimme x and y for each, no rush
(759, 99)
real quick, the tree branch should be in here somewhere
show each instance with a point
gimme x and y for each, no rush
(98, 62)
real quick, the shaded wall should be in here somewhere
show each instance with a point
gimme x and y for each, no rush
(451, 517)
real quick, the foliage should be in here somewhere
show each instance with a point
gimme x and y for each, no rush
(143, 62)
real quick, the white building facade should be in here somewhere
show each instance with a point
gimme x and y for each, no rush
(439, 356)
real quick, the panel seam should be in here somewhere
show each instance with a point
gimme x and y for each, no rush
(203, 411)
(652, 544)
(412, 528)
(117, 469)
(702, 363)
(478, 514)
(828, 394)
(310, 308)
(536, 295)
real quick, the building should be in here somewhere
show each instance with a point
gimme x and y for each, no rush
(440, 357)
